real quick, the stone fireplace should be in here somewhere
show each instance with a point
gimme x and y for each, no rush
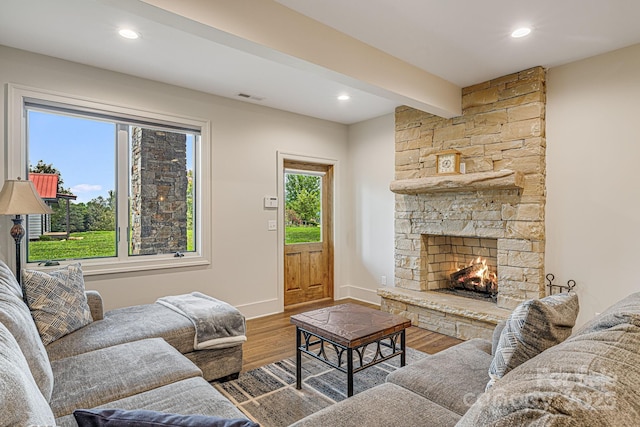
(494, 210)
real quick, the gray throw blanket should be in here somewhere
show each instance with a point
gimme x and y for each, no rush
(218, 324)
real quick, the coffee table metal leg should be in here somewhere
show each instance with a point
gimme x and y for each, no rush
(349, 372)
(298, 359)
(403, 348)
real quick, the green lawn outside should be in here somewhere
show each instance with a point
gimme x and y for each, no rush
(90, 244)
(302, 235)
(98, 244)
(94, 244)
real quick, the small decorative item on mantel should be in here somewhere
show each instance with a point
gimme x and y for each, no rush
(448, 162)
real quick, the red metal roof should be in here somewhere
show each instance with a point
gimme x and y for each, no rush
(46, 184)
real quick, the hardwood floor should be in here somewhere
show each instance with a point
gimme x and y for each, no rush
(272, 338)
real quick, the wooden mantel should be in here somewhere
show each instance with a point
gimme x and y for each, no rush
(504, 179)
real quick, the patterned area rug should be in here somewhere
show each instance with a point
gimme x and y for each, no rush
(268, 394)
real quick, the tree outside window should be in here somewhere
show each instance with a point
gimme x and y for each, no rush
(303, 208)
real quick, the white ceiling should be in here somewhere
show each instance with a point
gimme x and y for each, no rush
(462, 41)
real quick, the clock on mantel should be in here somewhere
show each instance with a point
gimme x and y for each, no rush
(448, 162)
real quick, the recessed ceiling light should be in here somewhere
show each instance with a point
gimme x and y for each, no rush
(344, 97)
(128, 33)
(521, 32)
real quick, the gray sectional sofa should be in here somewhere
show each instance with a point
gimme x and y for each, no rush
(132, 358)
(138, 322)
(142, 357)
(590, 379)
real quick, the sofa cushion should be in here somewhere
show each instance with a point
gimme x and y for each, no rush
(15, 316)
(452, 378)
(146, 418)
(57, 301)
(91, 379)
(148, 321)
(533, 326)
(591, 379)
(189, 396)
(627, 310)
(386, 405)
(124, 325)
(21, 402)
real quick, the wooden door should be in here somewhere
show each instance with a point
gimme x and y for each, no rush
(308, 262)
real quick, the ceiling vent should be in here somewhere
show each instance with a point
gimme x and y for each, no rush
(247, 96)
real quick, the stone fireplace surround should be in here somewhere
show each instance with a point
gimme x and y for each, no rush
(498, 203)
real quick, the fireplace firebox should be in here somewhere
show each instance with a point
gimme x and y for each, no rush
(464, 266)
(476, 277)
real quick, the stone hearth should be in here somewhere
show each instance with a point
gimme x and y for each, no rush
(459, 317)
(497, 206)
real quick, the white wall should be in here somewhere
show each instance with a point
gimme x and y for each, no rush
(593, 178)
(245, 141)
(371, 233)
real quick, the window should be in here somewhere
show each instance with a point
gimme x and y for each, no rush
(125, 186)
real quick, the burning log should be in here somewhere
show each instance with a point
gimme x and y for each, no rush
(476, 277)
(468, 278)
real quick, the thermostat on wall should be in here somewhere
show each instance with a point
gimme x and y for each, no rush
(270, 202)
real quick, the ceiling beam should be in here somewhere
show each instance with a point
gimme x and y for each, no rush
(270, 30)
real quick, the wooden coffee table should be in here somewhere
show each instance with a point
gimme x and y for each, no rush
(349, 328)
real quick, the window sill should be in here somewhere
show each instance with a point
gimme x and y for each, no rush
(93, 267)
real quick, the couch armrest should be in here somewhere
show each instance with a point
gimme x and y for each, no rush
(95, 305)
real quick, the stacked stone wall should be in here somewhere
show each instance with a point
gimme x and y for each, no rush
(502, 127)
(159, 190)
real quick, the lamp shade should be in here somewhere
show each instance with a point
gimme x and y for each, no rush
(19, 197)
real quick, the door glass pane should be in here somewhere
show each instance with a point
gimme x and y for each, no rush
(72, 165)
(303, 207)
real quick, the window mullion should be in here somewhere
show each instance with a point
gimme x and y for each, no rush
(122, 186)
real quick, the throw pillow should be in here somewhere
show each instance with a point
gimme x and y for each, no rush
(57, 301)
(145, 418)
(534, 326)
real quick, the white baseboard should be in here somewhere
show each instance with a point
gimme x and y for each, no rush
(358, 293)
(260, 308)
(272, 306)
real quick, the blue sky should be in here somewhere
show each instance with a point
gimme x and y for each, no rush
(83, 150)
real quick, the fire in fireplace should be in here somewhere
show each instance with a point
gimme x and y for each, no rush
(476, 277)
